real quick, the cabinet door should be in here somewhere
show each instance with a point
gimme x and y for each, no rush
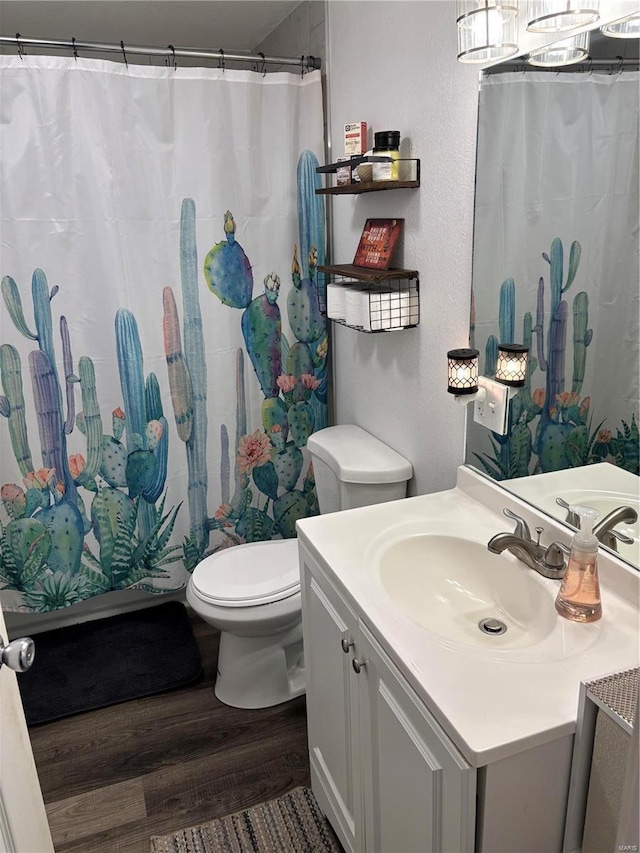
(331, 704)
(419, 793)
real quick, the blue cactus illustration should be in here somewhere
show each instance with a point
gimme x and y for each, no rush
(227, 269)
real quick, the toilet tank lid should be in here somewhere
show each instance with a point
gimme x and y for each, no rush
(356, 456)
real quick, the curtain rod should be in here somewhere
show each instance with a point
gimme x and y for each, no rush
(612, 65)
(308, 63)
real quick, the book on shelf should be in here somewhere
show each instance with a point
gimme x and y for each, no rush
(377, 244)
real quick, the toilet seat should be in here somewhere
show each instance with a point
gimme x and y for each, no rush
(247, 575)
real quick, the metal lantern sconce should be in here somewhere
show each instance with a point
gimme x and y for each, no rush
(490, 396)
(556, 16)
(512, 364)
(463, 371)
(487, 30)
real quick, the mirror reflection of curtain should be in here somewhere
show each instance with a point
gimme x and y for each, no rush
(556, 265)
(162, 360)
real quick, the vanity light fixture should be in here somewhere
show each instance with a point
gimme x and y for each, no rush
(564, 52)
(487, 30)
(556, 16)
(625, 28)
(490, 396)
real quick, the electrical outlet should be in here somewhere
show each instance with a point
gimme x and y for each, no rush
(492, 411)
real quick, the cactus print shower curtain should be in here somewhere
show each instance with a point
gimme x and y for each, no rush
(556, 266)
(162, 349)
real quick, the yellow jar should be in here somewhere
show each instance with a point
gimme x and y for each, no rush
(387, 144)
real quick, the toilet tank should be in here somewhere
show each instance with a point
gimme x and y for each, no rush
(352, 468)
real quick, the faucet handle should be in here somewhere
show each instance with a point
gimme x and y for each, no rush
(621, 537)
(572, 517)
(554, 555)
(522, 528)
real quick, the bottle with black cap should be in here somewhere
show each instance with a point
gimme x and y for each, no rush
(387, 144)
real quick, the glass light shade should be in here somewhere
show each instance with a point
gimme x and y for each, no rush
(463, 371)
(555, 16)
(487, 30)
(564, 52)
(512, 364)
(625, 28)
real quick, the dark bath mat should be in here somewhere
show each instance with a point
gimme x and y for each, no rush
(107, 661)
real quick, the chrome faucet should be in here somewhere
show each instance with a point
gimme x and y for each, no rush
(548, 562)
(604, 529)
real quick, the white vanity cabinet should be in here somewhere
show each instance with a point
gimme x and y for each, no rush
(383, 771)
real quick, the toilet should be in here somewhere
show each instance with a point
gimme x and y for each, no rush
(251, 592)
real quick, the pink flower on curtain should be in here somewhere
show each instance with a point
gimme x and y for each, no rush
(538, 396)
(309, 381)
(286, 383)
(40, 479)
(76, 465)
(254, 451)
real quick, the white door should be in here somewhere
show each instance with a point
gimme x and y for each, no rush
(23, 819)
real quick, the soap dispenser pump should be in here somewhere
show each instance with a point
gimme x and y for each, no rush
(579, 595)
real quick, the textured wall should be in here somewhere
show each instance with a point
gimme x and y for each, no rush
(301, 33)
(394, 65)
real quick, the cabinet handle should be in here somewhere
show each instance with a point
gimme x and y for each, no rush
(346, 644)
(358, 664)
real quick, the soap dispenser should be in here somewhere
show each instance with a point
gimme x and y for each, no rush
(579, 595)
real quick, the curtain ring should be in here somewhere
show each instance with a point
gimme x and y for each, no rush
(221, 63)
(75, 49)
(620, 64)
(302, 65)
(173, 58)
(264, 64)
(21, 52)
(124, 53)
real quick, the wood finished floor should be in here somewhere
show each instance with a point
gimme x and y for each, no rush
(114, 777)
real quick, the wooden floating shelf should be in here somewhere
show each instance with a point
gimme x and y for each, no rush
(366, 274)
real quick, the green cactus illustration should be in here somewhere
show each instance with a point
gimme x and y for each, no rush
(65, 526)
(287, 510)
(288, 465)
(227, 269)
(92, 421)
(300, 417)
(14, 410)
(561, 436)
(26, 547)
(303, 307)
(262, 328)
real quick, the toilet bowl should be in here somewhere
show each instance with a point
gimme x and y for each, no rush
(251, 592)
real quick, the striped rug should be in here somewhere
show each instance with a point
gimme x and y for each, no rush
(291, 824)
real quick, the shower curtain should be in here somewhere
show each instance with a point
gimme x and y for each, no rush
(556, 266)
(162, 349)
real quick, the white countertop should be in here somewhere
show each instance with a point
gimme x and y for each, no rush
(493, 702)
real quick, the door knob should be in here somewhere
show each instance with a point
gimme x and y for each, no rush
(346, 644)
(358, 664)
(18, 654)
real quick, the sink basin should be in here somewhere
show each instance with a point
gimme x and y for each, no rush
(450, 585)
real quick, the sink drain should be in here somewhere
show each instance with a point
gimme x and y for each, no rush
(492, 626)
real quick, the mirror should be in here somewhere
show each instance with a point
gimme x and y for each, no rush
(556, 267)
